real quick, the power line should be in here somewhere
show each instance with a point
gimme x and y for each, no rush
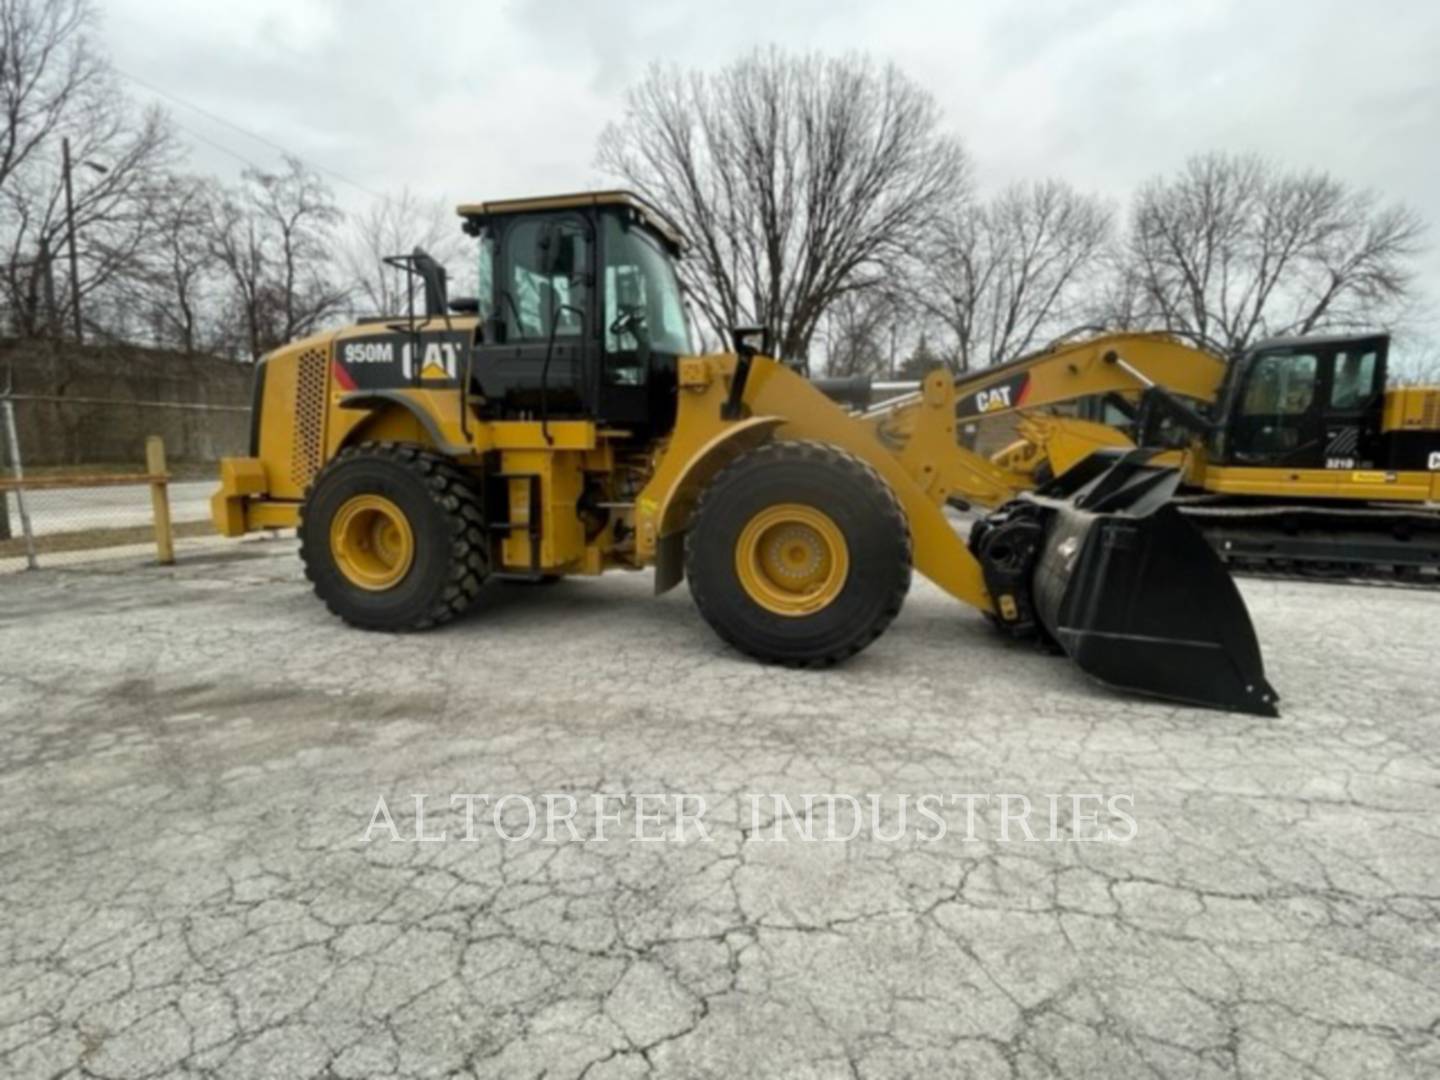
(218, 146)
(247, 133)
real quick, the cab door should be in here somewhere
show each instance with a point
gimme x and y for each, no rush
(540, 339)
(1354, 397)
(1279, 417)
(643, 326)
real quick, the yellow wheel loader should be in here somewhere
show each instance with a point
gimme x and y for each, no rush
(559, 423)
(1294, 455)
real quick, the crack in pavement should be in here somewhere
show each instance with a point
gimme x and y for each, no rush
(190, 757)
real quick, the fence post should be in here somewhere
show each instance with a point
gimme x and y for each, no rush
(160, 499)
(5, 531)
(12, 440)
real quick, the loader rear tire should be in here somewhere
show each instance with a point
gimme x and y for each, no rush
(798, 554)
(393, 537)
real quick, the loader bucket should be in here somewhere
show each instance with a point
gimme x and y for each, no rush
(1139, 599)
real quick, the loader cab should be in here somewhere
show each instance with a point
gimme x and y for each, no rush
(581, 313)
(1304, 403)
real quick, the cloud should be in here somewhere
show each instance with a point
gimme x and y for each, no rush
(476, 100)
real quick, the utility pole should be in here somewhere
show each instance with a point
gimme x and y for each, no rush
(70, 230)
(51, 321)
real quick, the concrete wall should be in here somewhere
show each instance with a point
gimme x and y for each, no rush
(114, 391)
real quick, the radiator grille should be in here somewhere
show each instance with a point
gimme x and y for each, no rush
(309, 416)
(1432, 410)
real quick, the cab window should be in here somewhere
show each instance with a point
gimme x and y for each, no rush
(1354, 381)
(485, 275)
(643, 307)
(543, 283)
(1281, 384)
(1276, 423)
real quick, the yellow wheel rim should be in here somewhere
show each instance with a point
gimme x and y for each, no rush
(372, 543)
(792, 559)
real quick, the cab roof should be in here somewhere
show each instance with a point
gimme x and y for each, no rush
(1319, 341)
(478, 213)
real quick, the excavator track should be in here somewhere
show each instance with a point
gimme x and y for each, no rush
(1384, 544)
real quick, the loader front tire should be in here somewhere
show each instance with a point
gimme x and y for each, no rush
(393, 538)
(799, 554)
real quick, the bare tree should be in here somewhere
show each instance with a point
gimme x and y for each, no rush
(121, 165)
(1235, 248)
(924, 358)
(1415, 351)
(861, 331)
(797, 180)
(54, 86)
(394, 225)
(236, 244)
(180, 288)
(46, 63)
(273, 237)
(1004, 275)
(297, 211)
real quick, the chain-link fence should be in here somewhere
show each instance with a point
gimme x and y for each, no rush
(106, 505)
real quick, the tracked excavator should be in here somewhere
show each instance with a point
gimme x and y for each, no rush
(1295, 455)
(560, 424)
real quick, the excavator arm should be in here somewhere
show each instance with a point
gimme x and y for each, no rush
(1109, 363)
(1112, 364)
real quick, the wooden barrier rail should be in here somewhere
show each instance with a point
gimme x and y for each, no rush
(59, 483)
(156, 477)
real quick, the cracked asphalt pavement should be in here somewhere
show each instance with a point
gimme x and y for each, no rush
(190, 759)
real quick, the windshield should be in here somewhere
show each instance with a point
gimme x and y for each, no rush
(642, 294)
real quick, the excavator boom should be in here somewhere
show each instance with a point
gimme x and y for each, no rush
(1091, 367)
(1118, 366)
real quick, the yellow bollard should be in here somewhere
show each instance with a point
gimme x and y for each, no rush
(160, 499)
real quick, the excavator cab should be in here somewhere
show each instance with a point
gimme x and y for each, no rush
(1304, 403)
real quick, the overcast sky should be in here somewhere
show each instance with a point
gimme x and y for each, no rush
(475, 100)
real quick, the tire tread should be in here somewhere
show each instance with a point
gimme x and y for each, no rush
(864, 475)
(455, 493)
